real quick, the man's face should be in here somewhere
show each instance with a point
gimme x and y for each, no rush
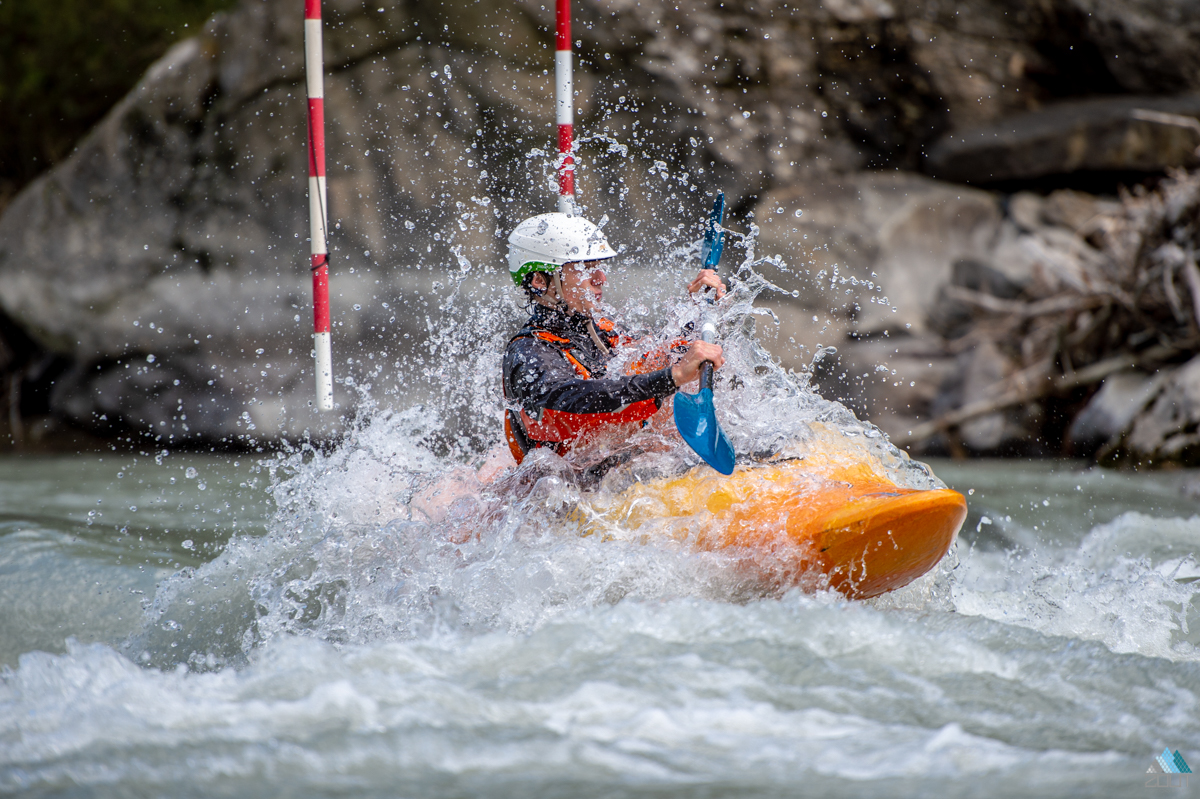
(583, 286)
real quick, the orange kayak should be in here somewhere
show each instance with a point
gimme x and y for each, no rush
(830, 518)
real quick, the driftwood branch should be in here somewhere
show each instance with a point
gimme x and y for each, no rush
(1168, 277)
(1028, 310)
(1030, 385)
(1192, 275)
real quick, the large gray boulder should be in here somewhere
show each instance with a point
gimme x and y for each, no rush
(873, 248)
(866, 259)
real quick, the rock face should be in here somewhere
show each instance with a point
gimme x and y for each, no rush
(1138, 134)
(161, 269)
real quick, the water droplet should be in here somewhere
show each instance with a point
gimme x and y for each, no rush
(191, 472)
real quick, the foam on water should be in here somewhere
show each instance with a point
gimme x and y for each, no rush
(679, 693)
(1124, 584)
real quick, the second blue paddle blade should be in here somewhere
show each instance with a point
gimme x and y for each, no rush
(696, 420)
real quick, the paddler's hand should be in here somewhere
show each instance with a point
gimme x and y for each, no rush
(707, 279)
(688, 369)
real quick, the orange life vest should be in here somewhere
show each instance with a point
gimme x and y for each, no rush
(560, 430)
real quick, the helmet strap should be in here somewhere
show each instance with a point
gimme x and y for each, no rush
(552, 295)
(559, 302)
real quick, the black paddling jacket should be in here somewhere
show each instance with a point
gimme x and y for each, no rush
(557, 387)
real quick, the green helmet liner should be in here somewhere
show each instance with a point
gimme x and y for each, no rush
(528, 268)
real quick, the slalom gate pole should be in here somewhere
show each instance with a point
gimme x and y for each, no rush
(318, 218)
(564, 107)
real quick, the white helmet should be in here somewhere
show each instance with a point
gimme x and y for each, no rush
(545, 242)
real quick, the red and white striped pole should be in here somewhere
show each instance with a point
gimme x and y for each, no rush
(564, 107)
(318, 219)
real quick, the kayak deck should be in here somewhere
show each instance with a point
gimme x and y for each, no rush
(813, 523)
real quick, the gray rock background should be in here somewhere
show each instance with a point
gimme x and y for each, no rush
(155, 282)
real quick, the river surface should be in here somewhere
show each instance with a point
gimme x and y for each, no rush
(176, 625)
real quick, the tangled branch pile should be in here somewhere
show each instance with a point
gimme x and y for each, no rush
(1112, 286)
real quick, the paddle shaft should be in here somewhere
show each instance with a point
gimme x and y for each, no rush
(708, 334)
(710, 255)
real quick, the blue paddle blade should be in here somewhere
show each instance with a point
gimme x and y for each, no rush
(696, 420)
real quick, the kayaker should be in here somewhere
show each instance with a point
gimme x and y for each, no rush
(556, 380)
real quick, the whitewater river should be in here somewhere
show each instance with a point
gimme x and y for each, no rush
(174, 626)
